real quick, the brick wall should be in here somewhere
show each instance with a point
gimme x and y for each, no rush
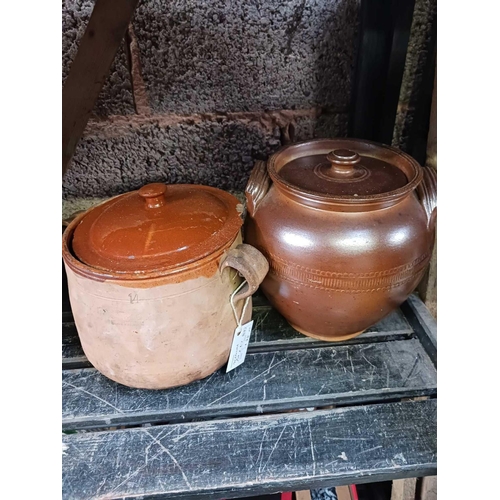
(200, 89)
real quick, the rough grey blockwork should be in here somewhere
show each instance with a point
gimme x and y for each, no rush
(326, 125)
(215, 153)
(116, 94)
(218, 152)
(240, 55)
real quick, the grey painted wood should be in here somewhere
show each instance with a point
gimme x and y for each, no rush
(258, 298)
(423, 323)
(252, 455)
(270, 332)
(265, 382)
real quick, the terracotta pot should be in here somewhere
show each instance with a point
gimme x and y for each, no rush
(345, 234)
(150, 276)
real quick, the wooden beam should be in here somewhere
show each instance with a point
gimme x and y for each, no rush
(384, 33)
(432, 136)
(98, 47)
(303, 495)
(404, 489)
(428, 488)
(428, 286)
(343, 493)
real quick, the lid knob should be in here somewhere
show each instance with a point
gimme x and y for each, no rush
(154, 194)
(343, 161)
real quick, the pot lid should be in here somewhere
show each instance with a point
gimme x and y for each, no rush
(343, 168)
(156, 228)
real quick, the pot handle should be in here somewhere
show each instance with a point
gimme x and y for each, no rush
(427, 192)
(257, 186)
(250, 263)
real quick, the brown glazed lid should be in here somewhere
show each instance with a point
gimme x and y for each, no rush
(157, 228)
(351, 170)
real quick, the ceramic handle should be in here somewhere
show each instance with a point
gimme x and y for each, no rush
(342, 162)
(257, 186)
(427, 191)
(153, 194)
(250, 263)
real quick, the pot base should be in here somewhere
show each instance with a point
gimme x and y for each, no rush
(325, 338)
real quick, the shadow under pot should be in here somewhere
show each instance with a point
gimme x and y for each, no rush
(151, 274)
(346, 236)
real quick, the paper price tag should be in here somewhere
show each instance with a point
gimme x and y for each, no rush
(239, 346)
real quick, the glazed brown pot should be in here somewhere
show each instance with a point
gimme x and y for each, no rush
(346, 236)
(150, 277)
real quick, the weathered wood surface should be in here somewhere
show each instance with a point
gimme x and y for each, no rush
(239, 457)
(303, 495)
(266, 382)
(343, 493)
(423, 324)
(236, 457)
(427, 489)
(404, 489)
(270, 332)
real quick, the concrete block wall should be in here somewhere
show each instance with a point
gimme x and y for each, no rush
(219, 56)
(200, 89)
(116, 96)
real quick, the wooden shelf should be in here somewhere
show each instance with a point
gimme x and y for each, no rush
(298, 414)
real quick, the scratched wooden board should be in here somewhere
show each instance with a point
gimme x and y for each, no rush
(423, 323)
(270, 332)
(266, 382)
(252, 455)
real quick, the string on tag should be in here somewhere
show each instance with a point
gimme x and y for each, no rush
(247, 300)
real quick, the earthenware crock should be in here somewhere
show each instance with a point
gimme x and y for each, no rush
(150, 277)
(348, 229)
